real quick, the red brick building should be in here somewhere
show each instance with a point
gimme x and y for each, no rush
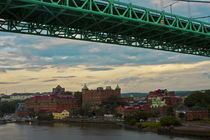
(98, 95)
(160, 93)
(127, 110)
(52, 103)
(196, 113)
(168, 96)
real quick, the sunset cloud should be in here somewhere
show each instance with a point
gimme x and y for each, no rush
(37, 64)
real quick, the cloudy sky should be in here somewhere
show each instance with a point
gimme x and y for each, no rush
(37, 64)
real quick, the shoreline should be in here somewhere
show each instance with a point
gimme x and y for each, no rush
(181, 131)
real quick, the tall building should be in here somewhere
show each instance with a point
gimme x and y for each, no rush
(58, 90)
(97, 96)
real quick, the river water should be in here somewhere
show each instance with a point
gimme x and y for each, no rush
(62, 131)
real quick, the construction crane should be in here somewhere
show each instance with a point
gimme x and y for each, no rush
(196, 1)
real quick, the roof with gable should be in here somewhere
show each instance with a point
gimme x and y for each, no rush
(58, 86)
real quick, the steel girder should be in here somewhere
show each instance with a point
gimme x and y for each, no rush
(106, 21)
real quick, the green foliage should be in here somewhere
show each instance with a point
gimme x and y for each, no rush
(45, 117)
(198, 99)
(169, 121)
(181, 115)
(132, 122)
(140, 115)
(207, 121)
(111, 104)
(151, 125)
(78, 95)
(170, 111)
(8, 107)
(86, 110)
(155, 113)
(67, 93)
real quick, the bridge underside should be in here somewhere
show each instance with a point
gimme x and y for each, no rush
(94, 21)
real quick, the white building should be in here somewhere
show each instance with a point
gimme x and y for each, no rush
(21, 96)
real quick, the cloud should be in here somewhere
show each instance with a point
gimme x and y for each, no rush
(64, 77)
(206, 75)
(32, 79)
(129, 79)
(50, 80)
(15, 68)
(99, 69)
(2, 70)
(8, 83)
(42, 59)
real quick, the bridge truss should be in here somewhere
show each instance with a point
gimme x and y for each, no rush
(106, 21)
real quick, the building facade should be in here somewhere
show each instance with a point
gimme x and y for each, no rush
(98, 95)
(168, 97)
(60, 115)
(52, 103)
(196, 113)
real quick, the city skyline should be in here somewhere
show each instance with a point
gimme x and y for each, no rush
(36, 64)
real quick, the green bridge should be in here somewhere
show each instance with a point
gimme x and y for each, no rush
(106, 21)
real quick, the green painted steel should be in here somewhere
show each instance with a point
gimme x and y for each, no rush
(106, 21)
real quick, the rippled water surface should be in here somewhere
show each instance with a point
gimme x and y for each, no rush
(61, 131)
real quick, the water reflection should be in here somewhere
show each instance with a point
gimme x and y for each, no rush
(65, 131)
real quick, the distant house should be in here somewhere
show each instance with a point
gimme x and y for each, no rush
(191, 113)
(21, 96)
(180, 111)
(157, 102)
(60, 115)
(168, 96)
(127, 110)
(5, 98)
(196, 113)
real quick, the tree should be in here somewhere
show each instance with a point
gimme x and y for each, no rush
(45, 117)
(110, 104)
(67, 93)
(170, 111)
(8, 107)
(140, 115)
(181, 115)
(78, 95)
(198, 99)
(170, 121)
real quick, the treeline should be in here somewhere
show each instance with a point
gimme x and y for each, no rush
(106, 107)
(139, 118)
(198, 98)
(8, 107)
